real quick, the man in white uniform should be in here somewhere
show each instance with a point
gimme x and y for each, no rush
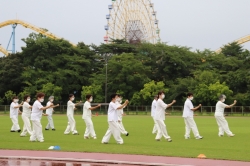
(188, 115)
(87, 115)
(49, 112)
(71, 127)
(112, 121)
(219, 116)
(36, 116)
(14, 110)
(26, 116)
(120, 114)
(153, 110)
(160, 117)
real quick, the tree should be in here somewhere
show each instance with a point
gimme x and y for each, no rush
(9, 95)
(232, 49)
(51, 90)
(95, 90)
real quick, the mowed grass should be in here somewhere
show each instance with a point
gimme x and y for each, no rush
(140, 140)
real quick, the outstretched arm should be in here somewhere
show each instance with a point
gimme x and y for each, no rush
(123, 105)
(169, 105)
(230, 106)
(93, 108)
(196, 108)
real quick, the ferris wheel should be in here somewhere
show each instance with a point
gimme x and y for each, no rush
(132, 20)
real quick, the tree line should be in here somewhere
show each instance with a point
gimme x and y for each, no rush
(137, 72)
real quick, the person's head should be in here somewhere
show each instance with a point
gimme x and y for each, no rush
(51, 98)
(71, 97)
(161, 95)
(119, 99)
(222, 98)
(156, 97)
(190, 96)
(40, 97)
(15, 99)
(26, 98)
(113, 97)
(89, 98)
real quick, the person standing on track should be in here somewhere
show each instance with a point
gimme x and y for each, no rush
(219, 116)
(26, 116)
(49, 112)
(14, 110)
(112, 121)
(87, 115)
(188, 115)
(160, 117)
(153, 110)
(71, 127)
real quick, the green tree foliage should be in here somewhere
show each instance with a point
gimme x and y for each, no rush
(9, 95)
(95, 90)
(51, 90)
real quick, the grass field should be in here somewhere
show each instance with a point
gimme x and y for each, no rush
(140, 140)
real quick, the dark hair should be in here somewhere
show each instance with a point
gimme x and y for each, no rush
(113, 96)
(40, 94)
(118, 95)
(159, 93)
(189, 94)
(70, 95)
(25, 97)
(15, 97)
(88, 96)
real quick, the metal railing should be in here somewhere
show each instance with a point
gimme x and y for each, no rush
(146, 110)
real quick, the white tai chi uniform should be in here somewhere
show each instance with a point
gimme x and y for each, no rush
(159, 118)
(119, 114)
(113, 125)
(188, 116)
(36, 116)
(49, 112)
(71, 127)
(14, 116)
(86, 116)
(153, 110)
(26, 119)
(220, 119)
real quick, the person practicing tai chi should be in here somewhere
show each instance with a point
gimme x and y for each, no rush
(120, 114)
(153, 110)
(160, 117)
(71, 127)
(49, 112)
(188, 115)
(112, 120)
(87, 115)
(36, 116)
(14, 110)
(26, 116)
(219, 116)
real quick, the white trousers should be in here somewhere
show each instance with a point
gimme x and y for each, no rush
(89, 128)
(121, 127)
(71, 127)
(37, 133)
(162, 130)
(26, 126)
(50, 122)
(113, 130)
(155, 128)
(15, 125)
(190, 125)
(223, 125)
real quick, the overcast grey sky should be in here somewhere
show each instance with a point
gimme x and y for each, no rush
(198, 24)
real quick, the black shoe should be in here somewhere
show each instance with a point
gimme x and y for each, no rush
(19, 130)
(12, 131)
(127, 134)
(54, 129)
(46, 129)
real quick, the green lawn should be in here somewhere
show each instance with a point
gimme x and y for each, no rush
(140, 140)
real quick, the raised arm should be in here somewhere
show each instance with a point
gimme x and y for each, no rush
(230, 106)
(123, 105)
(169, 105)
(44, 108)
(78, 103)
(196, 108)
(93, 108)
(18, 106)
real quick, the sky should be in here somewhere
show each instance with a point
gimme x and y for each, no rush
(198, 24)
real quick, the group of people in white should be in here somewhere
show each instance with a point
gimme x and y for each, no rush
(115, 113)
(158, 111)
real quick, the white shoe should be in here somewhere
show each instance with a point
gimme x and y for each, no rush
(187, 137)
(169, 140)
(32, 140)
(221, 135)
(94, 138)
(104, 142)
(41, 141)
(157, 139)
(75, 133)
(232, 135)
(198, 137)
(86, 137)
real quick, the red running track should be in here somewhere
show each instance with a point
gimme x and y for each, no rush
(115, 158)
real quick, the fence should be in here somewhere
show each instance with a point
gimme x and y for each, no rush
(146, 110)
